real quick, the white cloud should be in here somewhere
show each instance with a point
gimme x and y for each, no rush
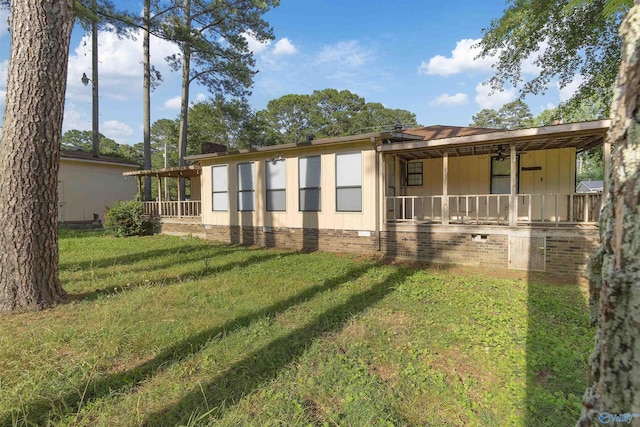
(74, 118)
(463, 58)
(486, 99)
(570, 89)
(120, 65)
(173, 103)
(284, 47)
(346, 53)
(118, 131)
(446, 99)
(255, 45)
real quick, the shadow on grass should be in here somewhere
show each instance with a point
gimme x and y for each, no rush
(47, 410)
(205, 255)
(136, 257)
(264, 364)
(558, 345)
(206, 271)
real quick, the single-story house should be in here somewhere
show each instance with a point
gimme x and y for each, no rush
(486, 197)
(88, 185)
(590, 187)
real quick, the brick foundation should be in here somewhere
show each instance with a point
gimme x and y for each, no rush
(567, 250)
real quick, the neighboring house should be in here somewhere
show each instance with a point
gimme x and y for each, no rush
(590, 187)
(485, 197)
(87, 186)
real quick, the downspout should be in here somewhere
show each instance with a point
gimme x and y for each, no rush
(377, 197)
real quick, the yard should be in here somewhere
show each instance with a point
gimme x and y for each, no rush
(177, 331)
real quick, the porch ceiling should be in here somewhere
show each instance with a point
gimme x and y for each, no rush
(581, 136)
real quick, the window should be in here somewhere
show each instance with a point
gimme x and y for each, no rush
(245, 186)
(219, 197)
(414, 173)
(276, 185)
(349, 182)
(501, 175)
(309, 183)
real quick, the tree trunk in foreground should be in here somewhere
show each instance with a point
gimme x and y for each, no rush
(30, 153)
(615, 271)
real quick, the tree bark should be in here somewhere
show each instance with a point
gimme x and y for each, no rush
(615, 268)
(146, 100)
(30, 153)
(184, 102)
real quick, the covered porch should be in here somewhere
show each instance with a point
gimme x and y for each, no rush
(518, 178)
(183, 205)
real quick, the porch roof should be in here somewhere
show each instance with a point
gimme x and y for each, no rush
(470, 141)
(175, 172)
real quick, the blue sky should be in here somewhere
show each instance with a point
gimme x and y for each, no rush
(409, 54)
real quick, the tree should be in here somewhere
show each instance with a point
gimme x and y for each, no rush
(375, 117)
(615, 268)
(334, 111)
(83, 139)
(513, 115)
(30, 154)
(288, 118)
(212, 37)
(565, 38)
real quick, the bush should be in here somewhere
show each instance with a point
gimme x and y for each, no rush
(126, 218)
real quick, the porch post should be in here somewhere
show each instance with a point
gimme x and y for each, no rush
(159, 195)
(139, 186)
(606, 160)
(445, 191)
(513, 198)
(180, 196)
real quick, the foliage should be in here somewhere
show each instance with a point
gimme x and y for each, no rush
(327, 113)
(74, 139)
(334, 340)
(126, 218)
(513, 115)
(566, 39)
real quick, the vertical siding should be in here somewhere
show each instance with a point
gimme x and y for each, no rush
(327, 218)
(88, 188)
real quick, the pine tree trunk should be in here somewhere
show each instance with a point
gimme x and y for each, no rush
(615, 269)
(146, 100)
(184, 102)
(30, 153)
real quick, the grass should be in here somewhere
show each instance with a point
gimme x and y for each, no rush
(177, 331)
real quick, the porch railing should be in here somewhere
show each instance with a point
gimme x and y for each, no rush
(572, 208)
(176, 209)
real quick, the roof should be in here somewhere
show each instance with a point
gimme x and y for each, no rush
(387, 136)
(83, 155)
(176, 172)
(435, 141)
(440, 132)
(592, 185)
(470, 141)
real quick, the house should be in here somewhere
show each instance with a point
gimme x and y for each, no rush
(87, 186)
(590, 187)
(485, 197)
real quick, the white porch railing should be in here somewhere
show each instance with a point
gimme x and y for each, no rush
(186, 208)
(572, 208)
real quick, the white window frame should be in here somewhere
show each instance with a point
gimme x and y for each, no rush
(271, 188)
(241, 191)
(302, 189)
(215, 191)
(350, 179)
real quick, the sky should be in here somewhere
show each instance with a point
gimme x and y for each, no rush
(414, 55)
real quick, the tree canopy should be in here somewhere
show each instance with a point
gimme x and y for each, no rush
(513, 115)
(566, 39)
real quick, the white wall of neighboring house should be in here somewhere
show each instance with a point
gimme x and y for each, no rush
(87, 188)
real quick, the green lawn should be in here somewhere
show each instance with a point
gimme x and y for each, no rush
(177, 331)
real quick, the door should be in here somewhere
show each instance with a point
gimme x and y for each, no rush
(527, 253)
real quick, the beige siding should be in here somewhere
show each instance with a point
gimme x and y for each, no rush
(472, 174)
(86, 188)
(327, 218)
